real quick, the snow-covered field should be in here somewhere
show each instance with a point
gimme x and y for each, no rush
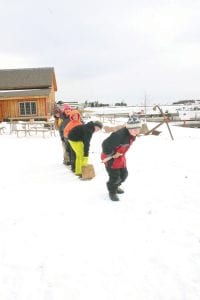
(63, 239)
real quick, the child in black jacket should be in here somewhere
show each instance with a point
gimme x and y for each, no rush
(113, 155)
(79, 138)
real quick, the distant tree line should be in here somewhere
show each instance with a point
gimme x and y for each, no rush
(94, 104)
(122, 103)
(99, 104)
(184, 102)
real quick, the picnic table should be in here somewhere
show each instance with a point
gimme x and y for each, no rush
(2, 129)
(29, 128)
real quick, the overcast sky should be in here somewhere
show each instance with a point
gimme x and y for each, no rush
(107, 50)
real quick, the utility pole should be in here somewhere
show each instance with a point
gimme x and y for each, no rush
(145, 103)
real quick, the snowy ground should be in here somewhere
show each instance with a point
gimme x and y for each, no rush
(62, 238)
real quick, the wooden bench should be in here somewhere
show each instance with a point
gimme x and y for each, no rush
(37, 130)
(34, 131)
(23, 129)
(2, 129)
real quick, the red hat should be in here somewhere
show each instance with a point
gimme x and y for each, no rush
(66, 107)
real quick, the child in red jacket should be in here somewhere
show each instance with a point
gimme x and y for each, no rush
(114, 149)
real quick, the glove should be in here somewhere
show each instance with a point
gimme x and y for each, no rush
(85, 160)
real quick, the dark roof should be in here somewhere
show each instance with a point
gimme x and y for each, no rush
(30, 78)
(24, 93)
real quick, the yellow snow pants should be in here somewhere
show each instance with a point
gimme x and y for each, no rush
(80, 161)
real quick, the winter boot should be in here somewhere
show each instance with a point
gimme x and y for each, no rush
(120, 191)
(113, 197)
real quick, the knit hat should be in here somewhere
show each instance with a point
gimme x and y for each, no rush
(98, 124)
(133, 122)
(66, 107)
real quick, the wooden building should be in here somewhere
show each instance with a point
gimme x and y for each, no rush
(27, 93)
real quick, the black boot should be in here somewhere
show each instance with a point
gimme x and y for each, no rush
(113, 197)
(120, 191)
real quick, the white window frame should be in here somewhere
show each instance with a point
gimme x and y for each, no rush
(24, 103)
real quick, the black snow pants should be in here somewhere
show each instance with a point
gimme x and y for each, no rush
(71, 154)
(116, 177)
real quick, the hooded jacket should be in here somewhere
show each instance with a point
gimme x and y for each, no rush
(119, 141)
(72, 123)
(64, 120)
(83, 133)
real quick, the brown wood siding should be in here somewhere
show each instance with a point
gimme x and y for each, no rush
(45, 105)
(1, 112)
(10, 108)
(50, 103)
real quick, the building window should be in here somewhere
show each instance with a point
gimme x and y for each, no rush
(27, 108)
